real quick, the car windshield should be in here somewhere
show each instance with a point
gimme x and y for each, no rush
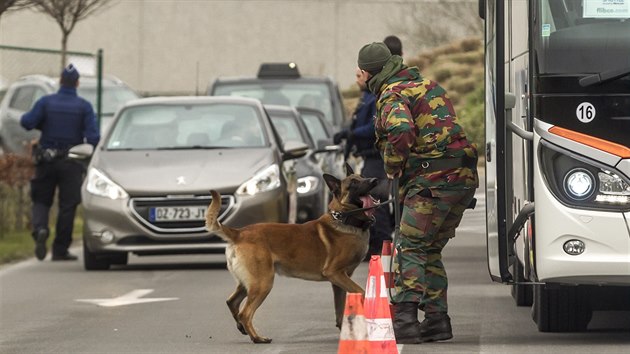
(288, 129)
(314, 126)
(187, 126)
(303, 94)
(114, 97)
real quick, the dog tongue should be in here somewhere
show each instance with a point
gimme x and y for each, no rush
(368, 202)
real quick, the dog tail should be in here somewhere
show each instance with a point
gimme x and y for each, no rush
(212, 219)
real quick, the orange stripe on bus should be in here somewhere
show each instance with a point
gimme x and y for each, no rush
(597, 143)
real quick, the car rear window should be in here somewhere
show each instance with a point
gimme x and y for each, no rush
(298, 94)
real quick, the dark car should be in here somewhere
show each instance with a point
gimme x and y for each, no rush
(328, 154)
(312, 194)
(148, 183)
(282, 84)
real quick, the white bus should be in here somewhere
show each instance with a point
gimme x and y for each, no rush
(558, 155)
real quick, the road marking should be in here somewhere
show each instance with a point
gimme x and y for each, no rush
(131, 298)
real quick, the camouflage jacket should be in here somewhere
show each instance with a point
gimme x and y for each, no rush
(416, 123)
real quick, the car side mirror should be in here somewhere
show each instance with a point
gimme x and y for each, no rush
(326, 145)
(81, 151)
(293, 150)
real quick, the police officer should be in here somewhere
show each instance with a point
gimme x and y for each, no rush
(422, 144)
(64, 120)
(361, 136)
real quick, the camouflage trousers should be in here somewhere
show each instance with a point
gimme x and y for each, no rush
(429, 218)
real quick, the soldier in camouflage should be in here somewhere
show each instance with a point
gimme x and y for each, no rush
(422, 144)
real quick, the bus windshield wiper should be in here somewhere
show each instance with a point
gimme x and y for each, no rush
(604, 76)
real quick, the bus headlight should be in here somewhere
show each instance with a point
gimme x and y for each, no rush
(612, 189)
(583, 183)
(579, 184)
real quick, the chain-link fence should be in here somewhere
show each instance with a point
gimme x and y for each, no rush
(18, 64)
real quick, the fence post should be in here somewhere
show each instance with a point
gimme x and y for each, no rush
(99, 87)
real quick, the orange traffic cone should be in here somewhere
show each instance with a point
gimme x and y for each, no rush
(353, 338)
(377, 314)
(386, 258)
(387, 252)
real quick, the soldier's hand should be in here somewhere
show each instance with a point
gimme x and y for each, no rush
(340, 136)
(395, 175)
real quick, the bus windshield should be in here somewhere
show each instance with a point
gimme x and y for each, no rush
(581, 36)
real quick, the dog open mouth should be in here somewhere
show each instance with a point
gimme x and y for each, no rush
(369, 202)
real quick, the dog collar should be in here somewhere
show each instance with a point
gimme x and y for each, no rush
(349, 219)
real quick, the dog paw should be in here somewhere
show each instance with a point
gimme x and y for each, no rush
(262, 340)
(241, 328)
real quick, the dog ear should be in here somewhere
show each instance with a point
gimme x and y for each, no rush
(349, 170)
(333, 183)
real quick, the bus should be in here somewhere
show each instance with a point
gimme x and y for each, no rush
(557, 151)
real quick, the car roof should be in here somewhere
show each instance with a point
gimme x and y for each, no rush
(174, 100)
(83, 79)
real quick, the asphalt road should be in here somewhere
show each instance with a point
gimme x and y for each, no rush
(184, 311)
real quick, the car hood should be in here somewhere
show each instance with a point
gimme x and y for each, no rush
(181, 171)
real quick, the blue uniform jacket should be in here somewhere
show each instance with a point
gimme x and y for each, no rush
(64, 119)
(363, 136)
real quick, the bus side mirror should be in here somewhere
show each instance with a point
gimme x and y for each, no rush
(482, 9)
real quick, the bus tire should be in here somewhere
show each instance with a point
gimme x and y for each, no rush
(523, 295)
(561, 308)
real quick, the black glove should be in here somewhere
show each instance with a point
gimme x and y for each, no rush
(340, 136)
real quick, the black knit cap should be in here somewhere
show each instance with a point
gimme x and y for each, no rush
(373, 56)
(70, 74)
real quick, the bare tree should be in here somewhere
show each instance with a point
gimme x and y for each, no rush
(429, 23)
(10, 5)
(67, 13)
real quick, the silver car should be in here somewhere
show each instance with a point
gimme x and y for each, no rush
(22, 94)
(147, 185)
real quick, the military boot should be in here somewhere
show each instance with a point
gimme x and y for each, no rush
(406, 324)
(436, 327)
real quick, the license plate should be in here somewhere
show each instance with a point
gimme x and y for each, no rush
(180, 213)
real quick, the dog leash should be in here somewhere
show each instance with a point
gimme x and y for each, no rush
(395, 200)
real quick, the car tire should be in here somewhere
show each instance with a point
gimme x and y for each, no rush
(94, 261)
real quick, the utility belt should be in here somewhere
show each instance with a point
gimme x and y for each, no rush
(449, 163)
(41, 155)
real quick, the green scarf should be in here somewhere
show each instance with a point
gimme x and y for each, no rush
(391, 68)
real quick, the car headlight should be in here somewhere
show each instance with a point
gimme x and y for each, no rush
(101, 185)
(307, 184)
(583, 183)
(265, 180)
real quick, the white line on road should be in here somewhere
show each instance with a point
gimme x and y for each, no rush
(130, 298)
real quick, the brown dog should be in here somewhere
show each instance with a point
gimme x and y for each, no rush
(327, 249)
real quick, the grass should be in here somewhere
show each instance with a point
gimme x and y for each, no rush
(19, 245)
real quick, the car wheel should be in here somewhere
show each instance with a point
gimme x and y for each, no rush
(92, 261)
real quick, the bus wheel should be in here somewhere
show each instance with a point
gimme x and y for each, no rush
(523, 295)
(561, 308)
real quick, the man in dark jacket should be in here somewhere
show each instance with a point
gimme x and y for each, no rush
(422, 144)
(361, 136)
(65, 120)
